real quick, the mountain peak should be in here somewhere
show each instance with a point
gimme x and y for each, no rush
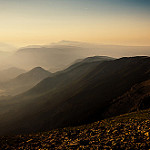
(39, 72)
(37, 69)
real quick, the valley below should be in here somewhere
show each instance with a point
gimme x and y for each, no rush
(97, 102)
(75, 75)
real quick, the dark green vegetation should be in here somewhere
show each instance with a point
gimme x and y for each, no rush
(129, 131)
(24, 81)
(80, 94)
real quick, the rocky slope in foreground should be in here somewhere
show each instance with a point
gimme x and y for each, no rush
(129, 131)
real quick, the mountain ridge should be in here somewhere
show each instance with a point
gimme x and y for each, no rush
(25, 81)
(77, 97)
(67, 52)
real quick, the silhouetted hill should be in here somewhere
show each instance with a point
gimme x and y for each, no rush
(10, 73)
(129, 131)
(78, 96)
(58, 56)
(85, 62)
(25, 81)
(55, 58)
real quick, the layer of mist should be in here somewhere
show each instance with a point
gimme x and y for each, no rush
(58, 56)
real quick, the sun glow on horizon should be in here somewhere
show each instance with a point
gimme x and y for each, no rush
(42, 22)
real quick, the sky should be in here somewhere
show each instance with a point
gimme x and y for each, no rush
(30, 22)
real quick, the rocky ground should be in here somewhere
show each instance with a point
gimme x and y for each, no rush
(129, 131)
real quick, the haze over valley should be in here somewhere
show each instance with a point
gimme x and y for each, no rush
(60, 55)
(74, 74)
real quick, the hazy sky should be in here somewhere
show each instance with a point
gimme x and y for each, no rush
(24, 22)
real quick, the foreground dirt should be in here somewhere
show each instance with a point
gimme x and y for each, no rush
(129, 131)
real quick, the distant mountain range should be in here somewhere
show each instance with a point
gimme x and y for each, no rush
(83, 93)
(60, 55)
(24, 81)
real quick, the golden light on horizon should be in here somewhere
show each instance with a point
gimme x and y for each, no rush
(43, 22)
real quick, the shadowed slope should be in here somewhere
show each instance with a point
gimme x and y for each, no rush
(78, 96)
(129, 131)
(138, 97)
(25, 81)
